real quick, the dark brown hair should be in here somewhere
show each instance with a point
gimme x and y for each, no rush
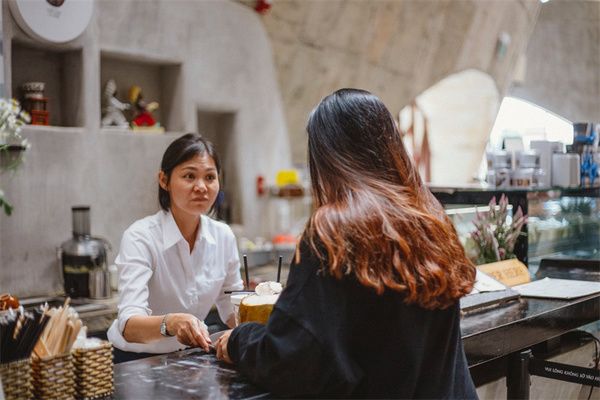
(373, 216)
(179, 151)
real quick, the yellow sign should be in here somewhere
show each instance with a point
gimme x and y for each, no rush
(510, 272)
(287, 177)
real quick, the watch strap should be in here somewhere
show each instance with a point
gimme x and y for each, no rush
(163, 327)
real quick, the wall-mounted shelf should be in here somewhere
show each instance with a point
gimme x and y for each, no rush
(159, 79)
(289, 192)
(60, 70)
(129, 132)
(34, 129)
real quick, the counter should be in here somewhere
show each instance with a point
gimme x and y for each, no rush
(487, 336)
(523, 323)
(187, 374)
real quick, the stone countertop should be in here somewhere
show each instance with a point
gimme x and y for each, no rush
(519, 324)
(487, 335)
(187, 374)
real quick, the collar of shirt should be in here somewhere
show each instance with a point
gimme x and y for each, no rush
(172, 234)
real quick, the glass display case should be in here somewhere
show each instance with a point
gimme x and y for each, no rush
(564, 227)
(562, 222)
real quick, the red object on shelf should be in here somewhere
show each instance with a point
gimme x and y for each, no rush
(263, 6)
(39, 117)
(260, 185)
(144, 119)
(37, 108)
(284, 239)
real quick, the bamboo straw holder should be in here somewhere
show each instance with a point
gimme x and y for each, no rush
(53, 377)
(93, 371)
(16, 379)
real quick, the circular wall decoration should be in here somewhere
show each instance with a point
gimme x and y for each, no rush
(56, 21)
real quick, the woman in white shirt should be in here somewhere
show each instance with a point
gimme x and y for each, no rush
(174, 265)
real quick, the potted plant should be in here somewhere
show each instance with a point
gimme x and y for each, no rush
(12, 144)
(494, 237)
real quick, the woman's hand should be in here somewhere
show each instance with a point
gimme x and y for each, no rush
(189, 330)
(221, 346)
(231, 321)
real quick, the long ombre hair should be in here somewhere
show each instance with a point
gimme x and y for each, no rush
(373, 216)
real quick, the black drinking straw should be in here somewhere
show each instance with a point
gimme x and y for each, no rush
(238, 291)
(21, 346)
(279, 269)
(246, 272)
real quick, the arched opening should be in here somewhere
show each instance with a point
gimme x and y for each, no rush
(447, 127)
(519, 122)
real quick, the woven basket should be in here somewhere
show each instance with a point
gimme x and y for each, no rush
(93, 372)
(53, 377)
(16, 379)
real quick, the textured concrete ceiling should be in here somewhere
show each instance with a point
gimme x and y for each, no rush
(396, 49)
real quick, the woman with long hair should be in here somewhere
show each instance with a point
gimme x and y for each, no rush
(371, 306)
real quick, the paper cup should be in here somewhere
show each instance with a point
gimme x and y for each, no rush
(236, 299)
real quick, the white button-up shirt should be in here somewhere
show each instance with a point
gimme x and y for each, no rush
(159, 275)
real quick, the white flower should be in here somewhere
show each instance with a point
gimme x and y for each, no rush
(12, 118)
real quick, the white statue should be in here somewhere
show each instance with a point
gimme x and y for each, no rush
(112, 112)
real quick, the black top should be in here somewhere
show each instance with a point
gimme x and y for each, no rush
(329, 337)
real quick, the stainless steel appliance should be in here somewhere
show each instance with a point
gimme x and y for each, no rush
(82, 257)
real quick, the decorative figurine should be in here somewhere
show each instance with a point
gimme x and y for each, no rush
(35, 103)
(143, 111)
(112, 112)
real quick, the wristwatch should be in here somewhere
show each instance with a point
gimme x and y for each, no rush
(163, 327)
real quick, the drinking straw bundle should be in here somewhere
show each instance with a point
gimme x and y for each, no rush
(19, 332)
(60, 333)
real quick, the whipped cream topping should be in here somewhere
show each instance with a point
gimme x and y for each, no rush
(268, 288)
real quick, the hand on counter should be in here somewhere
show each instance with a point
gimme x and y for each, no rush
(189, 330)
(221, 346)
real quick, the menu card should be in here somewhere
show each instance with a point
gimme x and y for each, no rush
(558, 288)
(485, 283)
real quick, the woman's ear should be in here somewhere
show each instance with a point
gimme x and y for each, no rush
(163, 180)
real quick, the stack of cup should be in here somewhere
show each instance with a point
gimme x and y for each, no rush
(498, 163)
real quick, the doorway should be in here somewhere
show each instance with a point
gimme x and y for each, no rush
(219, 127)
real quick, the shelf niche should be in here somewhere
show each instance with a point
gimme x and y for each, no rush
(159, 80)
(60, 70)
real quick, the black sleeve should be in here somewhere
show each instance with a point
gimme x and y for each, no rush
(288, 360)
(286, 357)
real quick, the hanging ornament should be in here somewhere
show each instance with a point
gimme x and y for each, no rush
(263, 6)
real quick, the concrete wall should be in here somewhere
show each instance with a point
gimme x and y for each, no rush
(396, 49)
(562, 68)
(222, 56)
(224, 65)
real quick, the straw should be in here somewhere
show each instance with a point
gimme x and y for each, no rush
(279, 269)
(18, 334)
(60, 327)
(238, 291)
(246, 272)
